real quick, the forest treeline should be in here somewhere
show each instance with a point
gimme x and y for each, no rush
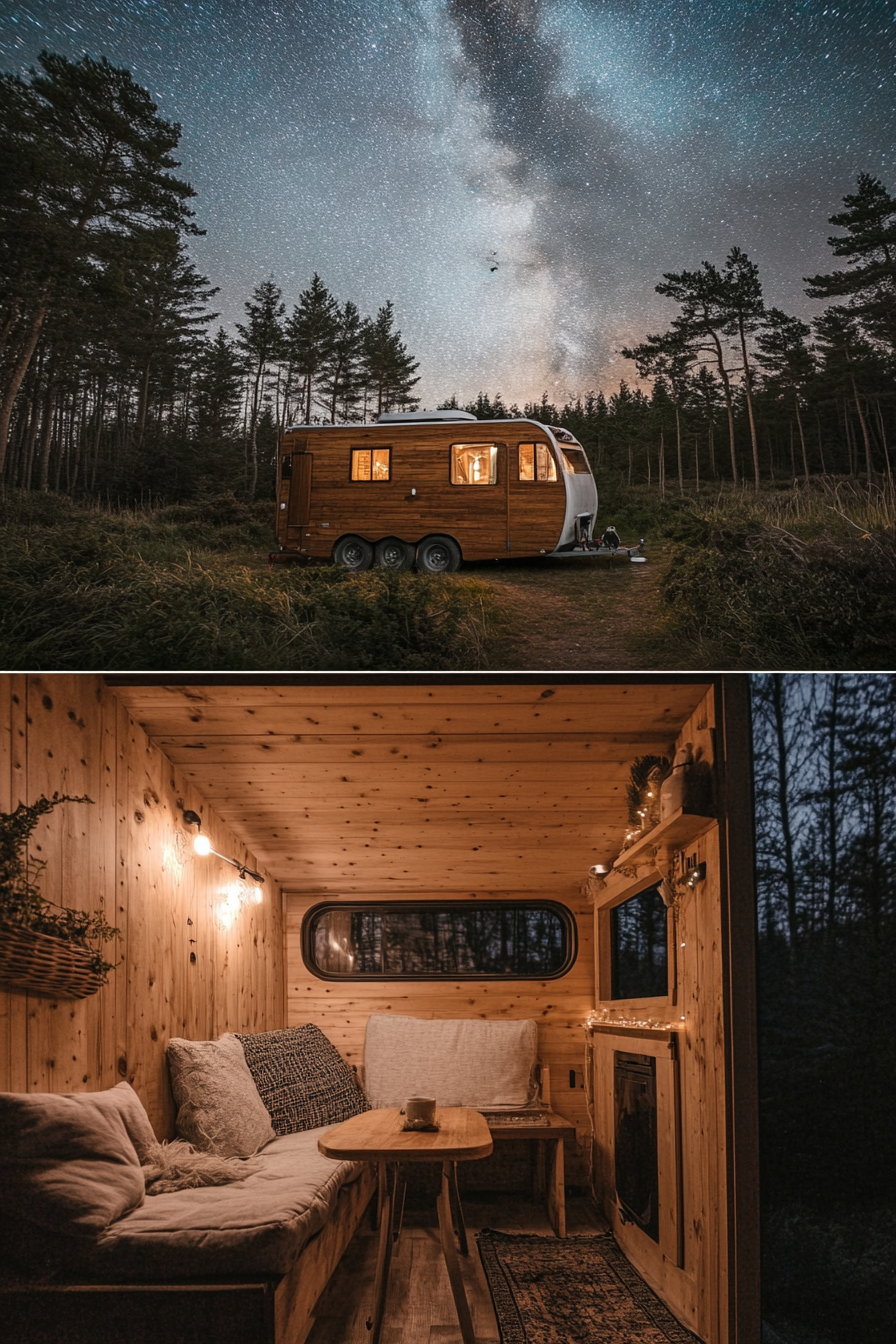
(825, 778)
(112, 378)
(115, 381)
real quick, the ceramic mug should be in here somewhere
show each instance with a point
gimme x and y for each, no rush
(419, 1112)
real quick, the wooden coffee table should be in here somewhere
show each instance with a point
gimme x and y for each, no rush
(378, 1136)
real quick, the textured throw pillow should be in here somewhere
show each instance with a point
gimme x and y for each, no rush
(179, 1166)
(302, 1078)
(67, 1162)
(219, 1109)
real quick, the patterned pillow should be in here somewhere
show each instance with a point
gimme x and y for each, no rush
(302, 1078)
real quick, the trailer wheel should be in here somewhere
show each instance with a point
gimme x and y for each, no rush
(438, 555)
(353, 553)
(390, 553)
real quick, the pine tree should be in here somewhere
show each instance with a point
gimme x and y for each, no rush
(869, 244)
(784, 354)
(89, 159)
(261, 340)
(311, 335)
(845, 353)
(668, 357)
(218, 392)
(703, 320)
(742, 294)
(341, 372)
(389, 368)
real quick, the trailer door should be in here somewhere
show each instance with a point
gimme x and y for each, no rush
(299, 511)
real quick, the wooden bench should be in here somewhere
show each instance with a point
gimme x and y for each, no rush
(254, 1310)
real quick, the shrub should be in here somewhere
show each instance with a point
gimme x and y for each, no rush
(757, 596)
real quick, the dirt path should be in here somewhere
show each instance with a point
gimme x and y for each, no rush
(581, 615)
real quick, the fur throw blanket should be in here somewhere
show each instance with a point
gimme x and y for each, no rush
(179, 1166)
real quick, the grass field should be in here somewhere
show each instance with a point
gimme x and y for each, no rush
(792, 578)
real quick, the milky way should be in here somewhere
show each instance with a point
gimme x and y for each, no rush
(514, 174)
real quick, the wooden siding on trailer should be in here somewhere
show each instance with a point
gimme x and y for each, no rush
(130, 853)
(475, 515)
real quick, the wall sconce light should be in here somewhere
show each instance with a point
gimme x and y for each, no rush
(600, 869)
(202, 845)
(694, 876)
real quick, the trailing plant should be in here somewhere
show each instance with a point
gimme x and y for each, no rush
(21, 902)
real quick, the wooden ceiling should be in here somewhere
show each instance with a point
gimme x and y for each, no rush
(364, 787)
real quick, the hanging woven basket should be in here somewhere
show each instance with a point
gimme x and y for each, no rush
(40, 964)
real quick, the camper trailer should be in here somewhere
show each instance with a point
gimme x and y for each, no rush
(432, 488)
(389, 868)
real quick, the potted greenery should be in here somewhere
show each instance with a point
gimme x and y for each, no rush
(44, 948)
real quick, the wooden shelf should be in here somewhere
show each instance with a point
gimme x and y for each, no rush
(673, 833)
(626, 1029)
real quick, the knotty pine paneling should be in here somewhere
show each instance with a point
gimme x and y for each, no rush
(560, 1007)
(128, 852)
(696, 1288)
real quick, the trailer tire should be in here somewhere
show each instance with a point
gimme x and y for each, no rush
(353, 553)
(391, 553)
(438, 555)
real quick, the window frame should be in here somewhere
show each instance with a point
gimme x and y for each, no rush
(363, 448)
(490, 443)
(534, 444)
(563, 912)
(603, 968)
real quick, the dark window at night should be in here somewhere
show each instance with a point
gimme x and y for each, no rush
(639, 947)
(392, 940)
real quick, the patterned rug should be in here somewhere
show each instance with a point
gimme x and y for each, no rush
(581, 1290)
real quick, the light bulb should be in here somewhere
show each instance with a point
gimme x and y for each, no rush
(202, 844)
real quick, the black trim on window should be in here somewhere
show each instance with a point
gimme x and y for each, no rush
(369, 448)
(561, 954)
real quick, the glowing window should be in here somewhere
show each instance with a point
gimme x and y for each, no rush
(457, 940)
(474, 463)
(537, 463)
(370, 464)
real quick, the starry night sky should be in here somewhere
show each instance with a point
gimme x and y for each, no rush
(514, 174)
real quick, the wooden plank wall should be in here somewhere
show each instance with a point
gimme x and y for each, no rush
(131, 854)
(696, 1289)
(559, 1006)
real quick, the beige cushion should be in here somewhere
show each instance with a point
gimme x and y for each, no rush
(136, 1121)
(219, 1109)
(460, 1062)
(67, 1161)
(256, 1226)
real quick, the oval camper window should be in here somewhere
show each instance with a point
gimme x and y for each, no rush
(456, 940)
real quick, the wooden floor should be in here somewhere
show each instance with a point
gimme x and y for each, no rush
(420, 1309)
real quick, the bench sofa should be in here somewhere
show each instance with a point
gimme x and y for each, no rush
(89, 1256)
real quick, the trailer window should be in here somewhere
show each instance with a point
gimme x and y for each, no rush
(457, 940)
(474, 463)
(639, 947)
(537, 463)
(575, 460)
(371, 464)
